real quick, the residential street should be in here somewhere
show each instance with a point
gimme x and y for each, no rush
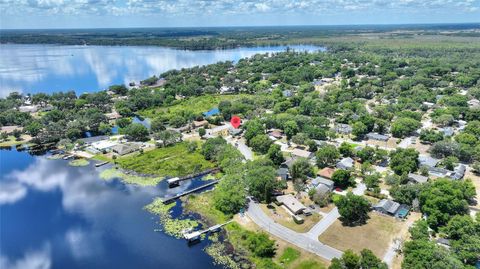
(255, 213)
(244, 149)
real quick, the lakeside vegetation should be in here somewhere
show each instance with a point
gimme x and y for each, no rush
(175, 160)
(114, 173)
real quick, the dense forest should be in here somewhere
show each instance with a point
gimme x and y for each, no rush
(228, 37)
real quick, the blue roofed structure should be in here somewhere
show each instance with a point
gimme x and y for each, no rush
(212, 112)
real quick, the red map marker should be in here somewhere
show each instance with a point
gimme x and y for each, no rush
(235, 121)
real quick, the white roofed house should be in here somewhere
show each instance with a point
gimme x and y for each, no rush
(291, 203)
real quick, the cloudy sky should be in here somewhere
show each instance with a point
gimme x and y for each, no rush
(168, 13)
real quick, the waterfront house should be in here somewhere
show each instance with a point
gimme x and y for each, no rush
(123, 149)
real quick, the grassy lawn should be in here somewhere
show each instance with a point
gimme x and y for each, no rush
(170, 161)
(203, 205)
(281, 216)
(375, 235)
(194, 105)
(11, 141)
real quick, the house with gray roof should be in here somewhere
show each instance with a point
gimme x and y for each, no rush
(322, 189)
(415, 178)
(459, 172)
(323, 181)
(427, 161)
(345, 163)
(386, 206)
(290, 202)
(283, 173)
(123, 149)
(377, 136)
(343, 128)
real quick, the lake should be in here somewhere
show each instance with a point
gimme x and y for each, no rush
(51, 68)
(53, 215)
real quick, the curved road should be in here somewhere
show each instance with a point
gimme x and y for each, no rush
(301, 240)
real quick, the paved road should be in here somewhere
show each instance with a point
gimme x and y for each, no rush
(300, 240)
(244, 149)
(323, 224)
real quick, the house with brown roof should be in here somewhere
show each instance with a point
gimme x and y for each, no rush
(326, 172)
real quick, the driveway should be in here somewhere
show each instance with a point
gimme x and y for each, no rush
(246, 151)
(407, 141)
(301, 240)
(327, 220)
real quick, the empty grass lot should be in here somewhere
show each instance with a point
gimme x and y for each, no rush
(171, 161)
(375, 235)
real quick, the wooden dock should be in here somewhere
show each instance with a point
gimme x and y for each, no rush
(168, 200)
(173, 182)
(101, 164)
(195, 235)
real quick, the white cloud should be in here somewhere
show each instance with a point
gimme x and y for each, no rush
(11, 192)
(37, 259)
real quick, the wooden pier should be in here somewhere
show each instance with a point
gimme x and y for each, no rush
(101, 164)
(173, 182)
(168, 200)
(195, 235)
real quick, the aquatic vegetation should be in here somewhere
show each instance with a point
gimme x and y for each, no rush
(112, 173)
(218, 252)
(55, 157)
(79, 162)
(171, 226)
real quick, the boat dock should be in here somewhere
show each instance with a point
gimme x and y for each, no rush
(101, 164)
(168, 200)
(173, 182)
(193, 236)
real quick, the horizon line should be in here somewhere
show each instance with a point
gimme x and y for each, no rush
(247, 26)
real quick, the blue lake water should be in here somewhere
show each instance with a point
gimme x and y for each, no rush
(53, 215)
(50, 68)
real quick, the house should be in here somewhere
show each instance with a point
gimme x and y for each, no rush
(103, 145)
(474, 103)
(123, 149)
(414, 178)
(283, 173)
(221, 130)
(235, 131)
(277, 134)
(443, 242)
(428, 104)
(197, 124)
(323, 181)
(345, 163)
(28, 109)
(302, 153)
(326, 172)
(343, 128)
(10, 129)
(226, 90)
(288, 163)
(427, 161)
(388, 207)
(93, 139)
(447, 131)
(459, 172)
(113, 115)
(378, 137)
(438, 172)
(287, 93)
(290, 202)
(212, 112)
(322, 190)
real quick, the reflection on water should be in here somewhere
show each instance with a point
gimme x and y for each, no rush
(48, 68)
(56, 216)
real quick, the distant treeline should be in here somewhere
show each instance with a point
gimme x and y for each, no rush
(222, 37)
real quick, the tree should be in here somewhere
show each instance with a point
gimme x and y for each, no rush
(350, 260)
(105, 128)
(427, 254)
(346, 150)
(367, 154)
(327, 155)
(34, 128)
(372, 181)
(136, 132)
(290, 128)
(275, 154)
(168, 137)
(343, 178)
(229, 195)
(404, 161)
(177, 121)
(211, 147)
(419, 230)
(157, 125)
(260, 180)
(201, 132)
(359, 129)
(252, 129)
(450, 162)
(430, 136)
(261, 143)
(445, 198)
(260, 245)
(353, 209)
(301, 169)
(404, 126)
(123, 122)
